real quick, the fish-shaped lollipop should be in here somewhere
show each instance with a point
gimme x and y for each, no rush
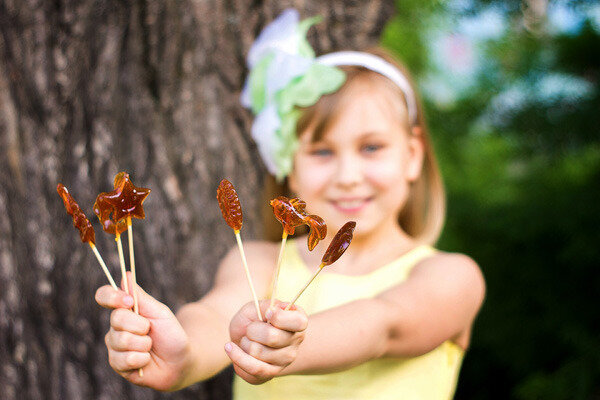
(337, 247)
(292, 213)
(86, 231)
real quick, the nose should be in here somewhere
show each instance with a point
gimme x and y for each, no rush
(349, 171)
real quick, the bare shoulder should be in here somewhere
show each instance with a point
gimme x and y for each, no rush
(453, 273)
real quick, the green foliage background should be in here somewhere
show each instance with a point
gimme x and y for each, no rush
(523, 198)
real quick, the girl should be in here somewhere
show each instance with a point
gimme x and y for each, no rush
(392, 317)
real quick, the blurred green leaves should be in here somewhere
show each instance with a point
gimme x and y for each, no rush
(519, 148)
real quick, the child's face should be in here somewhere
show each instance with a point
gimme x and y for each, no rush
(362, 167)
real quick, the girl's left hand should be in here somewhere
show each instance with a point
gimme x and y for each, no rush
(261, 350)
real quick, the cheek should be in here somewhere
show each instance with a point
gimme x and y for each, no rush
(385, 174)
(308, 177)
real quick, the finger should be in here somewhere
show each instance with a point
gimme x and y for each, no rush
(123, 319)
(280, 357)
(127, 341)
(249, 364)
(292, 321)
(268, 335)
(123, 361)
(110, 298)
(249, 309)
(148, 305)
(246, 376)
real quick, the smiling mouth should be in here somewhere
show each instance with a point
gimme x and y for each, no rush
(350, 205)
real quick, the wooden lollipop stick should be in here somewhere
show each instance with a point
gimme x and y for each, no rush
(103, 265)
(122, 260)
(276, 276)
(305, 286)
(241, 247)
(132, 266)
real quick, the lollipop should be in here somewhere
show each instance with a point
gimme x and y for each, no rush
(103, 210)
(291, 213)
(337, 247)
(86, 231)
(232, 213)
(126, 201)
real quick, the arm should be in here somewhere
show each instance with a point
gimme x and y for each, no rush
(206, 321)
(438, 301)
(178, 351)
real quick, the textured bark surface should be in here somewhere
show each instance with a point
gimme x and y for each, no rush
(90, 88)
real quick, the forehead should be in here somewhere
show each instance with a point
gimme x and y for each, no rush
(367, 106)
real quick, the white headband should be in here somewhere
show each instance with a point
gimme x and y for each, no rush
(376, 64)
(284, 76)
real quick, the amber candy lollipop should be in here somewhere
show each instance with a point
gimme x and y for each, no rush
(232, 213)
(337, 247)
(105, 211)
(292, 213)
(86, 231)
(126, 201)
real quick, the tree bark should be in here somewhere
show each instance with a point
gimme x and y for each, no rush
(90, 88)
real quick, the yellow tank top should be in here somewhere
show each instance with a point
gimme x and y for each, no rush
(430, 376)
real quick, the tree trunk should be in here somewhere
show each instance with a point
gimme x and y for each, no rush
(91, 88)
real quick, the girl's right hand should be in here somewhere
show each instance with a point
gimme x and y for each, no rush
(154, 340)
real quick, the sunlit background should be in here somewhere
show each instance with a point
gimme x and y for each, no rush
(512, 98)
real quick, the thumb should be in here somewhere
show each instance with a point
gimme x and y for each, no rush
(148, 306)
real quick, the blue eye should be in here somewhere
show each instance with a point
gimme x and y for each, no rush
(321, 152)
(370, 148)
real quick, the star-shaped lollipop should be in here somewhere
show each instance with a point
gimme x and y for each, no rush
(126, 199)
(105, 212)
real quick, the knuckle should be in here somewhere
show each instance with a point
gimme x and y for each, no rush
(116, 318)
(112, 298)
(146, 325)
(257, 371)
(293, 354)
(299, 337)
(124, 340)
(303, 322)
(271, 338)
(147, 343)
(254, 350)
(254, 331)
(276, 318)
(130, 360)
(288, 357)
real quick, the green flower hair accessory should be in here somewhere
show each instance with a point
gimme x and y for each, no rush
(283, 76)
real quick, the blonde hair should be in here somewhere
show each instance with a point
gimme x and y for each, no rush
(424, 212)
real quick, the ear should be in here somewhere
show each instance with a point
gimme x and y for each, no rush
(416, 150)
